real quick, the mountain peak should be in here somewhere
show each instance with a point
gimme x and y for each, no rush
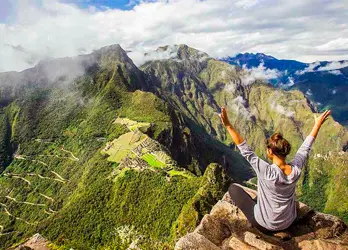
(179, 52)
(115, 52)
(259, 56)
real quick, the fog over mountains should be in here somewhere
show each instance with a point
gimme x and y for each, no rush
(325, 83)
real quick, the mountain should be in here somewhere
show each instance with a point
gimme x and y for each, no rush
(324, 83)
(254, 60)
(97, 153)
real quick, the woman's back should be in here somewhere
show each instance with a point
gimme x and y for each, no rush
(275, 208)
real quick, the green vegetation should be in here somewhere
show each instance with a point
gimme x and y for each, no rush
(100, 164)
(122, 146)
(184, 173)
(153, 161)
(325, 183)
(213, 186)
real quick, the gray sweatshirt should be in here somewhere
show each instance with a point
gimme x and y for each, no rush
(275, 208)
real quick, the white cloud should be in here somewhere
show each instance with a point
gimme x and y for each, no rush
(311, 68)
(140, 56)
(282, 110)
(334, 66)
(309, 92)
(275, 105)
(290, 82)
(259, 73)
(335, 72)
(288, 29)
(239, 106)
(340, 42)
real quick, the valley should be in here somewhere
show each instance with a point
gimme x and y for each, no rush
(122, 155)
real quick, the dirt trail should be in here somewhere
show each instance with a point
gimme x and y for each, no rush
(17, 218)
(72, 155)
(24, 202)
(38, 161)
(60, 177)
(52, 211)
(4, 234)
(44, 177)
(47, 212)
(47, 197)
(57, 156)
(18, 177)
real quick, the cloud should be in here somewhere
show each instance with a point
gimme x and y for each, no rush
(311, 68)
(291, 82)
(288, 29)
(309, 92)
(335, 72)
(332, 67)
(259, 73)
(239, 105)
(282, 110)
(273, 100)
(140, 56)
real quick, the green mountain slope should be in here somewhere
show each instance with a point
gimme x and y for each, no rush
(97, 153)
(257, 110)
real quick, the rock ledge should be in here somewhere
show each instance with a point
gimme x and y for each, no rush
(226, 228)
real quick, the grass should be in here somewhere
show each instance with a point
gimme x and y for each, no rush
(132, 125)
(123, 145)
(153, 161)
(180, 173)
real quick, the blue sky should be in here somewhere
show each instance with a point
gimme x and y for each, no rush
(7, 8)
(113, 4)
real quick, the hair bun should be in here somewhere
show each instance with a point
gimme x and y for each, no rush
(277, 136)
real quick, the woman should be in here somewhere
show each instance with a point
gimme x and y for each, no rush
(275, 209)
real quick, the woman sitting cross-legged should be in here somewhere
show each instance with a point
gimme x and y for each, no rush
(275, 208)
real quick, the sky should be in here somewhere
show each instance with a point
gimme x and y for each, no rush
(304, 30)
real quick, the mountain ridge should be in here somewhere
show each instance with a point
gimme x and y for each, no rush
(153, 157)
(319, 81)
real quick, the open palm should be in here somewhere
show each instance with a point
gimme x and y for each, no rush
(322, 118)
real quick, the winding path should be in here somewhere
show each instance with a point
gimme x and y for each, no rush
(16, 176)
(47, 197)
(24, 202)
(17, 218)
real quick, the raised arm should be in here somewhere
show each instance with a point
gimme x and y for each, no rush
(257, 164)
(302, 153)
(319, 121)
(236, 137)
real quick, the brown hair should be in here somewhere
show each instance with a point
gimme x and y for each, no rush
(279, 145)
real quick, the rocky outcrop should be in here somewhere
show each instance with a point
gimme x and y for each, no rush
(227, 228)
(37, 242)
